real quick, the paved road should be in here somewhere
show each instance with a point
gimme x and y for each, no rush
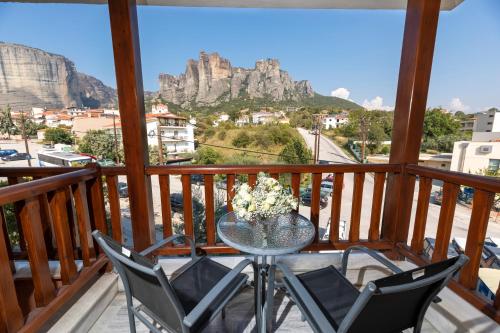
(330, 152)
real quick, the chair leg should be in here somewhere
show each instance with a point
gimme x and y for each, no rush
(131, 320)
(223, 313)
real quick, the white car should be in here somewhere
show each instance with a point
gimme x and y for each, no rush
(327, 187)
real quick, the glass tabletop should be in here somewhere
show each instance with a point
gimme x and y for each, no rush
(287, 234)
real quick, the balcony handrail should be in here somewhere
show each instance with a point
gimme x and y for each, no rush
(486, 183)
(270, 168)
(22, 191)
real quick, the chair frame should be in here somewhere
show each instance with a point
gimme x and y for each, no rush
(187, 320)
(318, 321)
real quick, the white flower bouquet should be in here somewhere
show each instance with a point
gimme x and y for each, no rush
(268, 199)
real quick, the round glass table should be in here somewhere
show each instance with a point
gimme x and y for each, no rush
(285, 234)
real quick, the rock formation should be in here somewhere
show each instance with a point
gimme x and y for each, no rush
(212, 80)
(31, 77)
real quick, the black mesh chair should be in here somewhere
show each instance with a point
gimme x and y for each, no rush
(188, 302)
(330, 303)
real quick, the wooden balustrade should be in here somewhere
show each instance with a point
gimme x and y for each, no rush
(43, 207)
(43, 203)
(485, 189)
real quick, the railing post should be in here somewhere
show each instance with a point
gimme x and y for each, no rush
(125, 34)
(413, 85)
(11, 317)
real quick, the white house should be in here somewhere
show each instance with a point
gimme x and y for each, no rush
(176, 133)
(159, 108)
(474, 157)
(335, 121)
(243, 120)
(223, 117)
(263, 118)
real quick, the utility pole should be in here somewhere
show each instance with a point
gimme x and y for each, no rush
(25, 137)
(117, 156)
(317, 135)
(160, 144)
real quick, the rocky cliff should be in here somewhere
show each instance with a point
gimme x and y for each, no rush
(211, 80)
(31, 77)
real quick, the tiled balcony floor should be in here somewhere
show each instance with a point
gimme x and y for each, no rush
(239, 317)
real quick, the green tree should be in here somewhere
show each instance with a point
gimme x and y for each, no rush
(295, 152)
(7, 125)
(438, 123)
(98, 143)
(242, 140)
(207, 155)
(58, 135)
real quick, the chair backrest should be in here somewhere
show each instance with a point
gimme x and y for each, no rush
(399, 301)
(144, 281)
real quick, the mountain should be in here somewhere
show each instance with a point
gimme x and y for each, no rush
(32, 77)
(212, 80)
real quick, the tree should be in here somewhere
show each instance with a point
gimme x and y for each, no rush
(30, 127)
(58, 135)
(295, 152)
(207, 155)
(437, 123)
(7, 125)
(242, 140)
(98, 143)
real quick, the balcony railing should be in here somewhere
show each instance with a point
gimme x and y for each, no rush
(63, 205)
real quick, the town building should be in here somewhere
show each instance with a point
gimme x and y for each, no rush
(441, 161)
(223, 117)
(467, 124)
(335, 121)
(243, 120)
(475, 157)
(488, 121)
(81, 125)
(260, 118)
(159, 108)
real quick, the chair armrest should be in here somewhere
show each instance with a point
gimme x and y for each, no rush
(371, 253)
(167, 240)
(314, 312)
(209, 298)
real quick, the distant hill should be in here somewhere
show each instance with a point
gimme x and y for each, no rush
(213, 81)
(31, 77)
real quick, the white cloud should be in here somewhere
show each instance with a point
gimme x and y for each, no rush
(376, 104)
(341, 93)
(457, 105)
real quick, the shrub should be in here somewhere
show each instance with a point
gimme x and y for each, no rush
(222, 135)
(58, 135)
(242, 140)
(207, 155)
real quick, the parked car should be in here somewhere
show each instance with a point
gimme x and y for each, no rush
(197, 179)
(437, 198)
(7, 152)
(106, 163)
(177, 204)
(306, 194)
(17, 157)
(327, 187)
(323, 162)
(123, 190)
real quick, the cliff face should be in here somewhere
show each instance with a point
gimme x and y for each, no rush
(212, 80)
(31, 77)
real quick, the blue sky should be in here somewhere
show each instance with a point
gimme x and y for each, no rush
(357, 51)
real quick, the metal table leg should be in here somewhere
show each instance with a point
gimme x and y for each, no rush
(270, 295)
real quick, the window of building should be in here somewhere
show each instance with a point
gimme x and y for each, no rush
(494, 165)
(489, 122)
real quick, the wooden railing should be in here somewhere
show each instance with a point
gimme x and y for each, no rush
(54, 216)
(44, 203)
(485, 189)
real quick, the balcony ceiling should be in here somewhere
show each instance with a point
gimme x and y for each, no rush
(311, 4)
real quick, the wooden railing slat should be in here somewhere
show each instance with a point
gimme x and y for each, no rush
(378, 194)
(187, 200)
(114, 208)
(11, 317)
(230, 191)
(445, 224)
(424, 194)
(83, 222)
(210, 209)
(357, 200)
(166, 210)
(315, 202)
(62, 232)
(481, 207)
(96, 202)
(296, 187)
(338, 185)
(37, 254)
(252, 179)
